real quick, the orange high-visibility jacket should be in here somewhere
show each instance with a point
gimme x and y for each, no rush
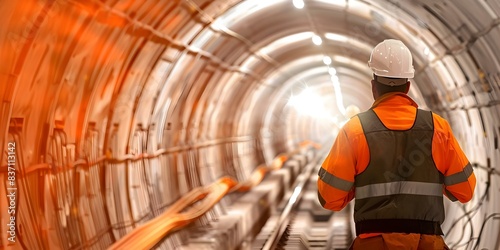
(349, 155)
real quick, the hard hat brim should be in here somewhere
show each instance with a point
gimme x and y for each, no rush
(391, 81)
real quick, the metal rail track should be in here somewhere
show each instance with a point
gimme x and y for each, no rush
(301, 223)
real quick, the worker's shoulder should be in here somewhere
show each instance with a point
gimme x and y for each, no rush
(442, 128)
(440, 122)
(353, 127)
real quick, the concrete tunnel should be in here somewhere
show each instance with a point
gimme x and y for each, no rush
(196, 124)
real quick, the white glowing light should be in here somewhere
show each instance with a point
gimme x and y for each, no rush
(332, 71)
(308, 103)
(299, 4)
(426, 51)
(335, 79)
(295, 194)
(218, 24)
(335, 37)
(327, 60)
(335, 119)
(338, 94)
(317, 40)
(293, 100)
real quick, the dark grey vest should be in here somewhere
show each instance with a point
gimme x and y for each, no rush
(401, 188)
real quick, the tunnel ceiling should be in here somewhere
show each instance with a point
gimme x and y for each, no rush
(136, 49)
(92, 81)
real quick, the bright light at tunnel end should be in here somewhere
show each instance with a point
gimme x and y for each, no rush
(308, 102)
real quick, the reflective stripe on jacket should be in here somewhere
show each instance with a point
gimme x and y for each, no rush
(350, 156)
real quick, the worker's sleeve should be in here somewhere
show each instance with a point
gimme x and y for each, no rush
(336, 175)
(459, 178)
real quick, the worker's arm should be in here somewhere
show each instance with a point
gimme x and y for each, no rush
(459, 178)
(336, 175)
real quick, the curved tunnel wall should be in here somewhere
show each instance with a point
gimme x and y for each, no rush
(90, 87)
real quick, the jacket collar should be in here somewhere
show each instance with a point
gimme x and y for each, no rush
(394, 99)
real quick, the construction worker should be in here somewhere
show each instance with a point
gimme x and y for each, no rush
(397, 161)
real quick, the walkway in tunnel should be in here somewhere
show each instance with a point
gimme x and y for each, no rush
(295, 220)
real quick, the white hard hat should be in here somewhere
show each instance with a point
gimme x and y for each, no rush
(391, 58)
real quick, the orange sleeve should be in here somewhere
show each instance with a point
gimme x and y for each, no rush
(336, 175)
(459, 178)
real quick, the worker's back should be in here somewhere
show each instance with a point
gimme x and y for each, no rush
(401, 183)
(397, 161)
